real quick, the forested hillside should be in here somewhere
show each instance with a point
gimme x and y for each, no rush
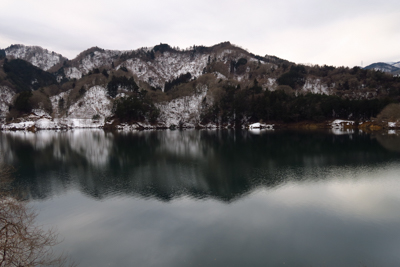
(165, 86)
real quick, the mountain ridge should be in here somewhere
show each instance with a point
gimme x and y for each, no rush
(96, 57)
(36, 55)
(220, 84)
(393, 68)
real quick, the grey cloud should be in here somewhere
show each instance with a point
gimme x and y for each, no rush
(301, 30)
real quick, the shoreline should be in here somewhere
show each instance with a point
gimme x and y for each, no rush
(32, 124)
(35, 122)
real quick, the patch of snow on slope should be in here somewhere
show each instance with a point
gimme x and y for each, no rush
(55, 101)
(270, 84)
(37, 56)
(94, 101)
(98, 59)
(220, 76)
(315, 86)
(252, 59)
(166, 67)
(227, 55)
(183, 111)
(361, 94)
(6, 95)
(145, 72)
(40, 113)
(91, 61)
(72, 73)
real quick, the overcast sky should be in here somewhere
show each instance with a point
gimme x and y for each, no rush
(333, 32)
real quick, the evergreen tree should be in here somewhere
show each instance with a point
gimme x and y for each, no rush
(22, 103)
(2, 53)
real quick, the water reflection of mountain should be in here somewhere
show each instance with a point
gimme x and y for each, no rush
(390, 141)
(168, 164)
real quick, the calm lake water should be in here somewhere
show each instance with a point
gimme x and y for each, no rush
(214, 198)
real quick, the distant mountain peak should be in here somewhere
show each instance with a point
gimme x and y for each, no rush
(384, 67)
(396, 64)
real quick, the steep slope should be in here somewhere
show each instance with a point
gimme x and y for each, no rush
(184, 111)
(396, 64)
(166, 67)
(37, 56)
(162, 63)
(88, 60)
(6, 96)
(93, 102)
(26, 76)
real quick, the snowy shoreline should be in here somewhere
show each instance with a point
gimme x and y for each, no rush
(70, 124)
(39, 120)
(34, 123)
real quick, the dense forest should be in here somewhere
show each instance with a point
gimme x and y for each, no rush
(237, 106)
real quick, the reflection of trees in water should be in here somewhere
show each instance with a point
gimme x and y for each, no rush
(389, 141)
(47, 154)
(22, 242)
(168, 164)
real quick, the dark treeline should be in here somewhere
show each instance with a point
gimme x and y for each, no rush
(25, 76)
(136, 107)
(183, 78)
(343, 78)
(295, 77)
(238, 105)
(123, 83)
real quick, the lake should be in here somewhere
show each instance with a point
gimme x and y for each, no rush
(214, 198)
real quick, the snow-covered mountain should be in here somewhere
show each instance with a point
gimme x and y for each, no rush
(150, 67)
(159, 64)
(89, 60)
(396, 64)
(36, 55)
(182, 83)
(384, 67)
(154, 66)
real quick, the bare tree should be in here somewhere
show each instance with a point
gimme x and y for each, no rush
(22, 242)
(390, 113)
